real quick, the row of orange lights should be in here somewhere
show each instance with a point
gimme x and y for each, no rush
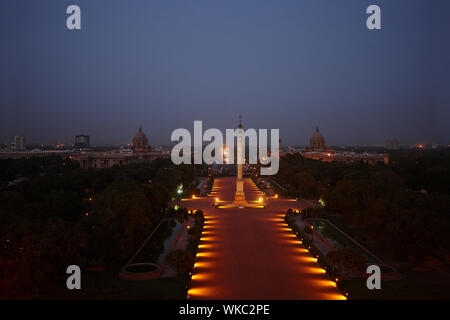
(285, 227)
(203, 251)
(205, 246)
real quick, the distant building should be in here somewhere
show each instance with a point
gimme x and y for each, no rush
(102, 160)
(33, 153)
(348, 157)
(318, 151)
(139, 152)
(392, 144)
(140, 146)
(424, 146)
(82, 142)
(316, 142)
(19, 143)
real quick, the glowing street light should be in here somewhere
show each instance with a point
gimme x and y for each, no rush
(322, 203)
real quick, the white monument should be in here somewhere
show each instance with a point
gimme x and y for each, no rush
(239, 198)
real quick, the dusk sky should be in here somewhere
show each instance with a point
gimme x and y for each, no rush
(287, 64)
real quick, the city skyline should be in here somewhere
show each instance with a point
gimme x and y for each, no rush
(71, 141)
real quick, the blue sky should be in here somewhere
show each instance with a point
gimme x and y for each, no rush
(282, 64)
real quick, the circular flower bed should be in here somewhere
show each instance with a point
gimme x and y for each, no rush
(140, 271)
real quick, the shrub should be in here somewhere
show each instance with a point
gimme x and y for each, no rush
(182, 260)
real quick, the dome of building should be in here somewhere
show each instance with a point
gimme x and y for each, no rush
(140, 139)
(317, 141)
(140, 143)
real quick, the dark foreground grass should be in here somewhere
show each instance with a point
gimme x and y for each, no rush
(106, 285)
(419, 285)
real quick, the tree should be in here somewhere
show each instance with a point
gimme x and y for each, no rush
(194, 234)
(182, 260)
(199, 214)
(307, 186)
(123, 215)
(353, 260)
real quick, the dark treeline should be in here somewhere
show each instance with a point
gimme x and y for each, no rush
(402, 209)
(61, 215)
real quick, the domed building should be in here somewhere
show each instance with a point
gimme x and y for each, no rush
(140, 145)
(317, 142)
(317, 150)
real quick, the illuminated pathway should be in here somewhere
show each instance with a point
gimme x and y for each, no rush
(251, 253)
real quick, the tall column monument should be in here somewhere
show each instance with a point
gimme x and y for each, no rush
(239, 198)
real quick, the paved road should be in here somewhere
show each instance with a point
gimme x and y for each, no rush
(251, 253)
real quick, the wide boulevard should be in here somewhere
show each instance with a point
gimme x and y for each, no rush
(250, 253)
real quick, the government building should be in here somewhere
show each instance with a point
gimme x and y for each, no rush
(139, 152)
(318, 150)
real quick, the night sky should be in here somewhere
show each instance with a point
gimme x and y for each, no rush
(287, 64)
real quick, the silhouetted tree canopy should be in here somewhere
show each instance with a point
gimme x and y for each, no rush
(60, 215)
(402, 209)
